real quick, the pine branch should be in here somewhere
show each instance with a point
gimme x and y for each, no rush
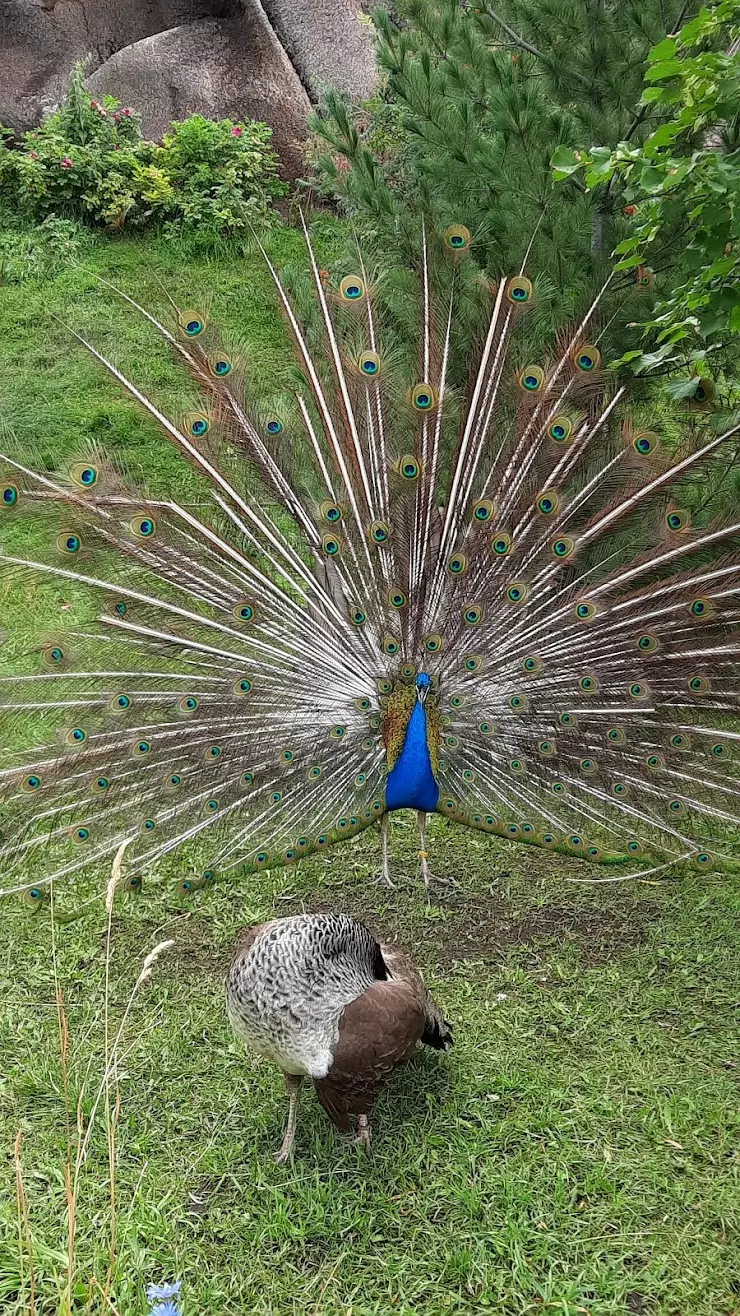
(525, 45)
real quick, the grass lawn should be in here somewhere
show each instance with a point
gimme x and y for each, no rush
(576, 1152)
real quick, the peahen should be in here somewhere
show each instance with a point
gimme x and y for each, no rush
(445, 580)
(321, 997)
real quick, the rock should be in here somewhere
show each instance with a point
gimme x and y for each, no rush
(42, 39)
(329, 42)
(223, 69)
(223, 58)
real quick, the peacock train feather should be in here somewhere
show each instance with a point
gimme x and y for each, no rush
(458, 580)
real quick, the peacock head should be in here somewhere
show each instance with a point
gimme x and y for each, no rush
(423, 682)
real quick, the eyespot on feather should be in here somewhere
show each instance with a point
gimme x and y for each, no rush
(352, 289)
(423, 397)
(563, 547)
(191, 323)
(483, 511)
(69, 542)
(379, 532)
(457, 237)
(84, 475)
(143, 526)
(457, 565)
(586, 358)
(331, 512)
(548, 502)
(519, 290)
(677, 518)
(501, 545)
(369, 365)
(196, 424)
(645, 442)
(473, 614)
(408, 467)
(560, 429)
(531, 379)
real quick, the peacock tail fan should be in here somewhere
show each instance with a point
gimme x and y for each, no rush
(416, 504)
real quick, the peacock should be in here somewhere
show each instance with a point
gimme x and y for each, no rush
(434, 575)
(321, 997)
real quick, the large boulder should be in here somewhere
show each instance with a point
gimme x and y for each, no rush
(235, 69)
(223, 58)
(40, 40)
(329, 43)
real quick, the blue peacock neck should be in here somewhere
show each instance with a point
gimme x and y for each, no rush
(411, 782)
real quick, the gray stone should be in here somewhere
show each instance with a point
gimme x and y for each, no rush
(329, 42)
(232, 69)
(224, 58)
(40, 40)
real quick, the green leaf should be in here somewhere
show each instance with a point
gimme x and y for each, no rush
(626, 245)
(651, 178)
(681, 389)
(664, 50)
(672, 68)
(664, 135)
(565, 161)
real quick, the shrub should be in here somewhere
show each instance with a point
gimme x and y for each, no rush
(39, 252)
(89, 162)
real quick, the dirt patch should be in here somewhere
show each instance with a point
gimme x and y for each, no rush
(481, 927)
(467, 926)
(196, 952)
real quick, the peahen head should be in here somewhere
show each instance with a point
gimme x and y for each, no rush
(423, 682)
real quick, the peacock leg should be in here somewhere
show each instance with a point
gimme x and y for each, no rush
(384, 877)
(364, 1132)
(426, 872)
(292, 1087)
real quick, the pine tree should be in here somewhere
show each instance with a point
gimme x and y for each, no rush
(486, 95)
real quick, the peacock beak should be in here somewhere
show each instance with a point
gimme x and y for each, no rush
(421, 693)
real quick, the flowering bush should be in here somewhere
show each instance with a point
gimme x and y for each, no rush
(89, 162)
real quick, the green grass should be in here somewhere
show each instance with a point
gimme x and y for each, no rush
(575, 1152)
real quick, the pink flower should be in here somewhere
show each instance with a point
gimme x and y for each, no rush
(116, 117)
(237, 131)
(116, 147)
(34, 155)
(127, 111)
(95, 105)
(66, 163)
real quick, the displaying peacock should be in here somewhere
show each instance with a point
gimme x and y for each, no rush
(446, 579)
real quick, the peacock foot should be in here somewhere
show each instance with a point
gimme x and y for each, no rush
(383, 878)
(433, 879)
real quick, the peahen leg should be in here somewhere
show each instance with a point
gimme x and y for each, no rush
(293, 1088)
(364, 1132)
(426, 872)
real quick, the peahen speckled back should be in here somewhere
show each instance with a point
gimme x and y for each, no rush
(403, 591)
